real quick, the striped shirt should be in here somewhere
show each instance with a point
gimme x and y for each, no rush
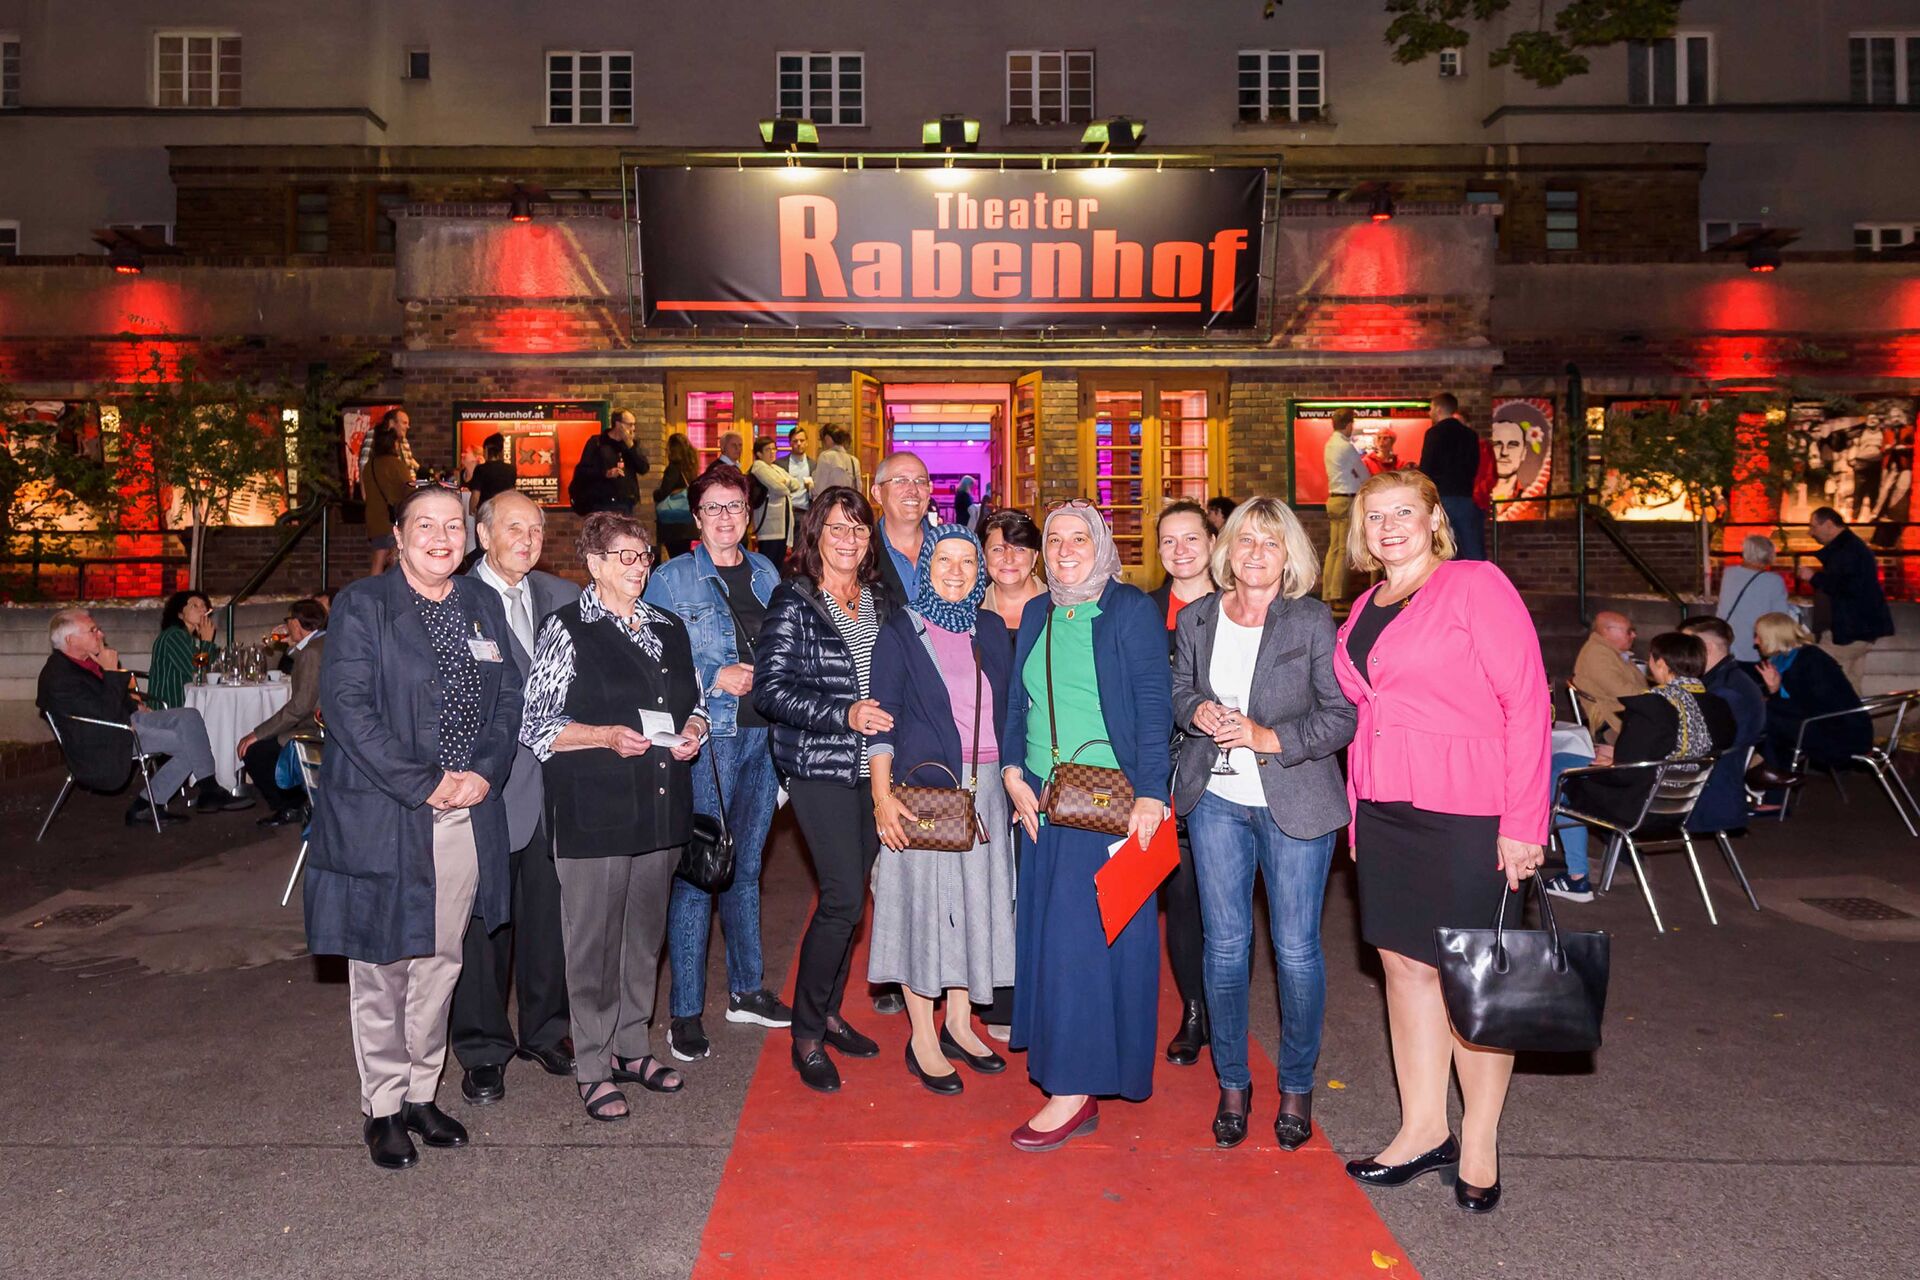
(860, 632)
(171, 665)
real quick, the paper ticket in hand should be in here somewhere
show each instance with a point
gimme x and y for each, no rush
(658, 726)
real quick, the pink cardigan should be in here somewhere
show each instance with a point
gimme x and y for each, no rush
(1455, 715)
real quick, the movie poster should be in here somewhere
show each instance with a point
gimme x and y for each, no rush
(542, 439)
(1387, 433)
(1521, 438)
(1860, 462)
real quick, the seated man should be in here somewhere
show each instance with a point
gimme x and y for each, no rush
(1677, 720)
(82, 677)
(1723, 805)
(260, 750)
(1604, 673)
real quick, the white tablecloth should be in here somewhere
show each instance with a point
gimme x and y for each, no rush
(232, 711)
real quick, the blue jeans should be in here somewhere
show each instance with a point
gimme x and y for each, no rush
(1573, 835)
(746, 775)
(1230, 842)
(1469, 528)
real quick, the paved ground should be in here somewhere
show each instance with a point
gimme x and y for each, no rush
(1749, 1115)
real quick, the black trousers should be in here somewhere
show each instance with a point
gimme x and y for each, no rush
(1186, 944)
(526, 955)
(262, 758)
(837, 822)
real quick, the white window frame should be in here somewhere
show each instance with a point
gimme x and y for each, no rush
(1065, 59)
(13, 225)
(1886, 235)
(1680, 41)
(10, 60)
(216, 99)
(1293, 106)
(1451, 68)
(607, 107)
(837, 112)
(1903, 42)
(1734, 227)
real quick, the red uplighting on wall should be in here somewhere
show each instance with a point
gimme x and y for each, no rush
(529, 329)
(1369, 260)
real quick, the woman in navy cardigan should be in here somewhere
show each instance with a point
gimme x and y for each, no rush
(1085, 1012)
(943, 921)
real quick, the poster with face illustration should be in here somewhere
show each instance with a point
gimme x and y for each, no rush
(1859, 461)
(1521, 439)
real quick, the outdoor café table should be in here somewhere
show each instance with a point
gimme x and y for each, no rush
(231, 712)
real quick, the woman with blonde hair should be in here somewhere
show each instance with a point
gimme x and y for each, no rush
(1747, 591)
(1449, 774)
(1262, 718)
(1802, 681)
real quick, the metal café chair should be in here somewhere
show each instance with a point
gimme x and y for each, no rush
(306, 749)
(1877, 759)
(1573, 703)
(140, 757)
(1673, 787)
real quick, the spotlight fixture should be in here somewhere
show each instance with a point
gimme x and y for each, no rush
(1117, 134)
(520, 205)
(1380, 205)
(1763, 258)
(1761, 245)
(126, 259)
(787, 134)
(950, 133)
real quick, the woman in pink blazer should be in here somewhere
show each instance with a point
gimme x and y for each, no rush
(1448, 772)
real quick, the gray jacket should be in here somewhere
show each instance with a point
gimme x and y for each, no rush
(525, 794)
(1294, 693)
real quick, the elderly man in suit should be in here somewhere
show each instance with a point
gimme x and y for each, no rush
(422, 701)
(83, 678)
(260, 750)
(526, 954)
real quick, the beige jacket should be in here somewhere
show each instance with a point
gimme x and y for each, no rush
(1603, 678)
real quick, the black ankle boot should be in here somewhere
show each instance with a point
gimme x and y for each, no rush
(1184, 1049)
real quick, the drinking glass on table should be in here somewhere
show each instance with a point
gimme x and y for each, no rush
(202, 661)
(1222, 769)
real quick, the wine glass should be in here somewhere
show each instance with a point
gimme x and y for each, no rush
(1222, 769)
(202, 659)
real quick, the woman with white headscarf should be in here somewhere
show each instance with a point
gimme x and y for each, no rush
(943, 921)
(1090, 680)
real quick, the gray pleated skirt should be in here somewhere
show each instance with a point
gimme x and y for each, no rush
(943, 921)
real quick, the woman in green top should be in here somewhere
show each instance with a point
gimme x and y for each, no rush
(186, 628)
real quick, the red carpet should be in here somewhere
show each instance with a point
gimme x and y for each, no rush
(885, 1178)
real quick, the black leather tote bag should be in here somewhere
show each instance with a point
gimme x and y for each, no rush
(1529, 990)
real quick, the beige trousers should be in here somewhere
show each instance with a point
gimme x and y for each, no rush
(1852, 658)
(1333, 571)
(400, 1009)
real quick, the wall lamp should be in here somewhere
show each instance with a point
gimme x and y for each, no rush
(950, 133)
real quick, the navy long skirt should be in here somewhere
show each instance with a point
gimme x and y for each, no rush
(1086, 1013)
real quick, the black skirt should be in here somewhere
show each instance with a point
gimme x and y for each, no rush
(1420, 871)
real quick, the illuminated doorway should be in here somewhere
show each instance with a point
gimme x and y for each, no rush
(1144, 443)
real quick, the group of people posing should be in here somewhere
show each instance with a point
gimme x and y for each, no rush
(502, 747)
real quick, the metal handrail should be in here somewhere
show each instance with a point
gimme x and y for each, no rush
(302, 519)
(1605, 523)
(1586, 506)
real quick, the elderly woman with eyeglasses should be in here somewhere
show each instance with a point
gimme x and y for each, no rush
(814, 682)
(614, 712)
(1090, 683)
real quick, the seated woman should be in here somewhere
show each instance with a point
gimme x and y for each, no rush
(942, 921)
(186, 629)
(1676, 720)
(1804, 681)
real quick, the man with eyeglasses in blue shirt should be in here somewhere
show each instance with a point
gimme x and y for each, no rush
(902, 491)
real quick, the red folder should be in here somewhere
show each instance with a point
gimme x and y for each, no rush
(1132, 875)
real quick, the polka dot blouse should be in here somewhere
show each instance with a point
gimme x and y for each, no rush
(459, 679)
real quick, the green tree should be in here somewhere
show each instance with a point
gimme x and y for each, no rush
(1547, 53)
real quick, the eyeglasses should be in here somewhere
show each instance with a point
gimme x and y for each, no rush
(1071, 504)
(629, 557)
(909, 482)
(848, 532)
(722, 508)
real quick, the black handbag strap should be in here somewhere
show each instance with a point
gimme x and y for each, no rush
(1546, 917)
(1053, 725)
(706, 749)
(739, 630)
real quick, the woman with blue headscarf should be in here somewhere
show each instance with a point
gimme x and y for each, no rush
(943, 922)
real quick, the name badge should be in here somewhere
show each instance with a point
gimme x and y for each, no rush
(483, 649)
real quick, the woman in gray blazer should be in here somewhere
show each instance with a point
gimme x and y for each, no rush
(1261, 717)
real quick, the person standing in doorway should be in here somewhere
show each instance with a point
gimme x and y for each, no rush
(1849, 577)
(773, 518)
(733, 448)
(528, 954)
(1346, 472)
(799, 465)
(672, 509)
(836, 464)
(1450, 457)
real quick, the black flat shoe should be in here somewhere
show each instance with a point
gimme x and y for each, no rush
(948, 1084)
(1374, 1174)
(987, 1064)
(817, 1071)
(1476, 1199)
(1229, 1121)
(435, 1127)
(484, 1086)
(850, 1042)
(284, 818)
(1291, 1129)
(140, 814)
(388, 1143)
(1184, 1049)
(556, 1060)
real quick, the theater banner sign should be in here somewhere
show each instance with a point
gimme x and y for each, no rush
(973, 248)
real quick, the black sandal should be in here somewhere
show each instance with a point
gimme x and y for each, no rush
(597, 1107)
(651, 1075)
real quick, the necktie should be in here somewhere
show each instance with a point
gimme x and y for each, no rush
(520, 618)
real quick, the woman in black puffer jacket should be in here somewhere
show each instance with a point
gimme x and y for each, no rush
(811, 681)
